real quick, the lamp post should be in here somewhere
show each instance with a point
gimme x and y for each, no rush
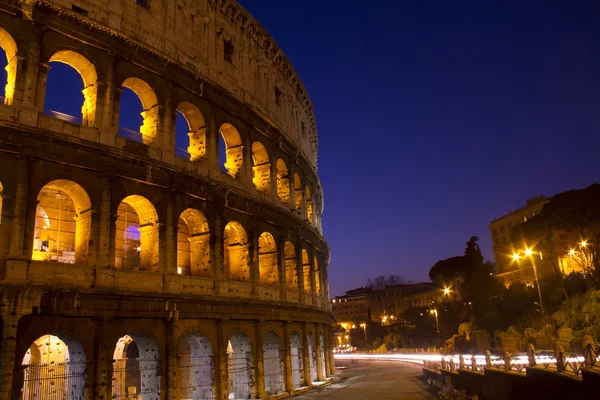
(364, 326)
(529, 253)
(437, 325)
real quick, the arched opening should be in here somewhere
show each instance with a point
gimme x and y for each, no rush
(136, 91)
(77, 101)
(190, 132)
(312, 357)
(136, 246)
(267, 260)
(298, 191)
(135, 368)
(283, 181)
(317, 276)
(291, 271)
(296, 356)
(233, 149)
(54, 368)
(236, 252)
(195, 360)
(261, 171)
(62, 223)
(193, 244)
(10, 49)
(239, 366)
(309, 206)
(273, 365)
(322, 350)
(306, 272)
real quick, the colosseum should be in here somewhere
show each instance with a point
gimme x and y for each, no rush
(133, 268)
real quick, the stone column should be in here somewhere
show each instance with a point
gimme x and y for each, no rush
(292, 186)
(246, 170)
(220, 365)
(106, 248)
(282, 268)
(7, 353)
(166, 128)
(216, 253)
(104, 349)
(319, 359)
(273, 189)
(327, 343)
(311, 262)
(172, 375)
(259, 366)
(253, 259)
(27, 84)
(288, 381)
(170, 258)
(106, 97)
(83, 233)
(17, 224)
(305, 357)
(300, 275)
(212, 146)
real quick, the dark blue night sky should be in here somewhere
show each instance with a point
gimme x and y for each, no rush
(434, 118)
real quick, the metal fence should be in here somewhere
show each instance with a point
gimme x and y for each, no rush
(133, 382)
(241, 379)
(197, 378)
(57, 381)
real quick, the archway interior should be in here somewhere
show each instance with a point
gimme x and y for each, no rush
(291, 273)
(306, 272)
(196, 367)
(298, 191)
(135, 368)
(8, 79)
(233, 149)
(322, 350)
(193, 244)
(283, 181)
(190, 132)
(267, 260)
(136, 240)
(138, 111)
(296, 356)
(312, 357)
(273, 366)
(309, 206)
(317, 276)
(74, 77)
(261, 170)
(239, 366)
(236, 252)
(62, 223)
(54, 368)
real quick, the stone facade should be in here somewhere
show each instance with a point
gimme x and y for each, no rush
(128, 270)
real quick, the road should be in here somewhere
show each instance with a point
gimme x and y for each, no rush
(378, 380)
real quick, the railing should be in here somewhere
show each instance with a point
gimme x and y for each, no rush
(134, 136)
(54, 381)
(63, 116)
(592, 356)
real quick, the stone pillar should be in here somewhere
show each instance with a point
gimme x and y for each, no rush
(220, 365)
(166, 128)
(212, 146)
(288, 382)
(106, 96)
(149, 255)
(106, 248)
(253, 264)
(311, 262)
(216, 255)
(327, 344)
(246, 170)
(273, 188)
(83, 233)
(170, 258)
(330, 340)
(27, 87)
(17, 225)
(319, 359)
(282, 269)
(42, 80)
(172, 375)
(259, 366)
(104, 349)
(305, 357)
(300, 275)
(291, 183)
(7, 353)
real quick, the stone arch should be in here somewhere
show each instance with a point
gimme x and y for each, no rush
(312, 357)
(233, 149)
(283, 181)
(273, 364)
(88, 74)
(309, 205)
(63, 223)
(147, 96)
(9, 46)
(291, 270)
(261, 170)
(298, 191)
(296, 356)
(135, 368)
(239, 366)
(196, 367)
(322, 350)
(235, 249)
(196, 130)
(318, 279)
(54, 367)
(268, 266)
(136, 239)
(306, 271)
(193, 244)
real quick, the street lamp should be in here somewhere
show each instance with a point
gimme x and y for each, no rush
(529, 253)
(364, 326)
(437, 325)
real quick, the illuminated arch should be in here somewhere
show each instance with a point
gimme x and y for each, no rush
(233, 149)
(88, 74)
(193, 244)
(273, 364)
(297, 363)
(136, 360)
(195, 362)
(291, 272)
(136, 241)
(239, 366)
(312, 357)
(63, 223)
(298, 191)
(147, 96)
(196, 130)
(306, 272)
(283, 181)
(9, 46)
(235, 249)
(261, 171)
(317, 276)
(309, 205)
(268, 266)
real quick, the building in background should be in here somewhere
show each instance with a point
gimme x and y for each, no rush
(356, 306)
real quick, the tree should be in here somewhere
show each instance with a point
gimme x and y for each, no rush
(379, 282)
(444, 272)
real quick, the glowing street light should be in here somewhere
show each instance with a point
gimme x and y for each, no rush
(583, 243)
(447, 291)
(529, 253)
(516, 256)
(364, 326)
(437, 324)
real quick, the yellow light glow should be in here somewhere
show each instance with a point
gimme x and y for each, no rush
(447, 291)
(515, 256)
(353, 326)
(583, 243)
(572, 252)
(347, 337)
(179, 270)
(528, 252)
(138, 249)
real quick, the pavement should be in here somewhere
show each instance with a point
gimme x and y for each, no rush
(379, 380)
